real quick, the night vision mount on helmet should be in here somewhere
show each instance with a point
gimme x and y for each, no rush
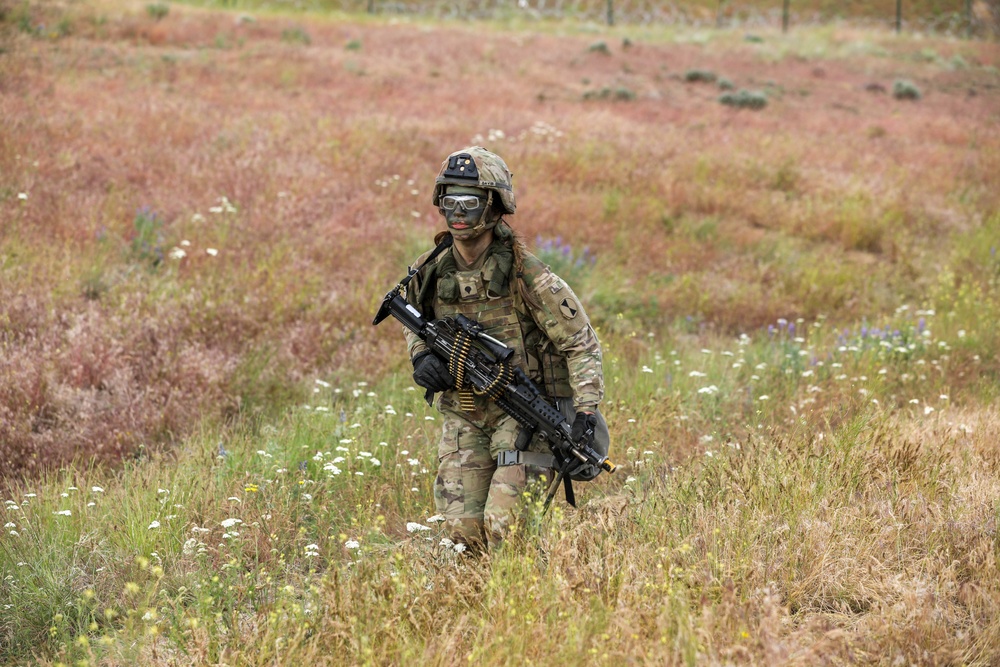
(477, 167)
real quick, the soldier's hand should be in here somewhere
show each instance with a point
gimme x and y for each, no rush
(584, 424)
(431, 373)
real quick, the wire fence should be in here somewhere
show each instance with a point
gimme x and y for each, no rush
(964, 18)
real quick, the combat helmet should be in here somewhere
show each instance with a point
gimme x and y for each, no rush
(477, 167)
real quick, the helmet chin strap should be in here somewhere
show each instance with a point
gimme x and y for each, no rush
(487, 213)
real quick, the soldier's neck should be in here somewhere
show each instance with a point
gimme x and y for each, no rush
(473, 249)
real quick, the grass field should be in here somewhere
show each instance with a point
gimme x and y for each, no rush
(211, 456)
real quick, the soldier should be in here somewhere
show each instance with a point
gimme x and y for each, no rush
(488, 275)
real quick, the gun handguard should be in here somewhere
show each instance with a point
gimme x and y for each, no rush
(482, 363)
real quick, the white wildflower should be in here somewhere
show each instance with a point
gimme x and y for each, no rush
(155, 524)
(229, 523)
(414, 527)
(352, 544)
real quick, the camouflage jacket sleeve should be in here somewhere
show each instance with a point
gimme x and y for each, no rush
(559, 313)
(413, 343)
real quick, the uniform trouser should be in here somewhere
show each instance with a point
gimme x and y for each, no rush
(477, 498)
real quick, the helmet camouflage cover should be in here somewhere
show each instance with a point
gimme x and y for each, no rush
(477, 167)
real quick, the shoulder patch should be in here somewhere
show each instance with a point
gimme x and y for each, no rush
(569, 308)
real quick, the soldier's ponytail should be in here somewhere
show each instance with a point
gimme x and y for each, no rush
(509, 236)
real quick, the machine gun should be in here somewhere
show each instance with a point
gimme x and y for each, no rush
(481, 365)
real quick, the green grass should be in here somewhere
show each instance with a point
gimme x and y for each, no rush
(748, 469)
(720, 545)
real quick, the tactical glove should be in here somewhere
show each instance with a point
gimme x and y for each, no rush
(431, 373)
(584, 422)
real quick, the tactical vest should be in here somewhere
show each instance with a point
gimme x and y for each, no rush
(504, 317)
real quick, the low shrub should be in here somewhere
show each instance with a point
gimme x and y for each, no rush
(905, 90)
(296, 35)
(620, 94)
(699, 76)
(158, 10)
(745, 99)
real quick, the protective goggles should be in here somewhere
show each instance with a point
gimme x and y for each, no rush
(467, 202)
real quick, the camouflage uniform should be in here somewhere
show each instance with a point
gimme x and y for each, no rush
(554, 344)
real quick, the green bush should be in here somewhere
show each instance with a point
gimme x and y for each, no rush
(147, 241)
(905, 90)
(296, 35)
(620, 94)
(745, 99)
(699, 76)
(158, 10)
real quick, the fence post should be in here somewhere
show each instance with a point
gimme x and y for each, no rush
(784, 17)
(611, 12)
(899, 15)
